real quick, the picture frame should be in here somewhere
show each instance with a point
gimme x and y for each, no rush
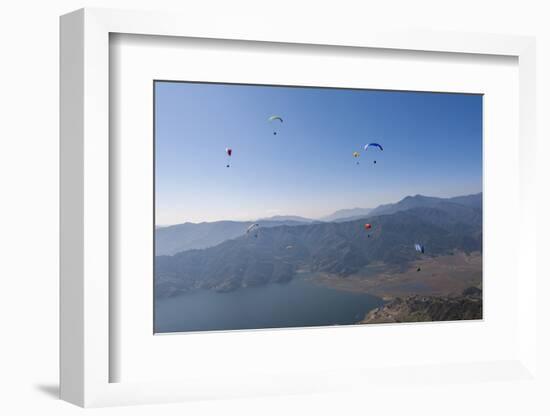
(87, 305)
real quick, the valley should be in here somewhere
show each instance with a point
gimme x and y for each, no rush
(438, 276)
(311, 266)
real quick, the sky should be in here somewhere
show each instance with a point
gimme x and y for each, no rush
(432, 146)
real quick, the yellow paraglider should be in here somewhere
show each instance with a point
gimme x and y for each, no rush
(356, 155)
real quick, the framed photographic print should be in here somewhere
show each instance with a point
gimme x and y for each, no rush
(280, 206)
(270, 212)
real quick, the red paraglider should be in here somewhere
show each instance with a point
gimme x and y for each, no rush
(228, 151)
(368, 227)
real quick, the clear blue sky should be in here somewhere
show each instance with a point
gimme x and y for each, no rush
(432, 146)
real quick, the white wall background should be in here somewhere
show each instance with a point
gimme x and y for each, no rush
(29, 204)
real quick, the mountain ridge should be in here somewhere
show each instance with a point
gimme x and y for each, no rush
(278, 253)
(173, 239)
(472, 201)
(346, 213)
(296, 218)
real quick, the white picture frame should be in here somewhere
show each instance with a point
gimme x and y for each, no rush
(86, 166)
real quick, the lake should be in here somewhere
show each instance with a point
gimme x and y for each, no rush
(299, 303)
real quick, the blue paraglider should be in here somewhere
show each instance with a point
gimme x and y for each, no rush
(420, 249)
(371, 145)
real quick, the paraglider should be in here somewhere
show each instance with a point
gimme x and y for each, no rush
(373, 145)
(228, 152)
(420, 248)
(253, 230)
(276, 119)
(356, 155)
(368, 227)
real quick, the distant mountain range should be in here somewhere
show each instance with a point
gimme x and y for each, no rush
(188, 236)
(473, 201)
(339, 248)
(347, 214)
(293, 218)
(173, 239)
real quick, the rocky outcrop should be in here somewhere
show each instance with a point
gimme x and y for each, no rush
(429, 308)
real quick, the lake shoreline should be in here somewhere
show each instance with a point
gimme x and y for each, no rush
(301, 302)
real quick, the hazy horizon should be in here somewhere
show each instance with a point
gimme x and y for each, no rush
(313, 218)
(432, 146)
